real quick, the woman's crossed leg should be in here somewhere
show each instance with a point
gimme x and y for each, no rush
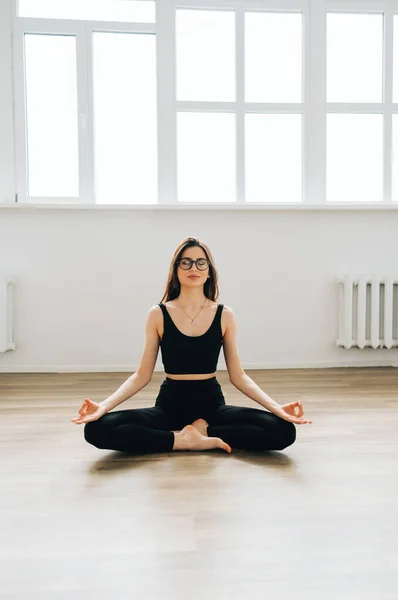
(250, 428)
(145, 430)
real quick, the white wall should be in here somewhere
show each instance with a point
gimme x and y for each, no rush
(85, 278)
(7, 185)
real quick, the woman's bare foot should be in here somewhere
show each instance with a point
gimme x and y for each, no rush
(189, 438)
(201, 425)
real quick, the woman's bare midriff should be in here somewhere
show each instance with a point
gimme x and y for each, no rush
(193, 376)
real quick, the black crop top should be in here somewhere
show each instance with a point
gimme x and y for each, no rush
(183, 354)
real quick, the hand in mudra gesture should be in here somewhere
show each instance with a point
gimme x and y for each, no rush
(89, 411)
(293, 412)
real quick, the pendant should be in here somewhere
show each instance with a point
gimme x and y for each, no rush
(192, 322)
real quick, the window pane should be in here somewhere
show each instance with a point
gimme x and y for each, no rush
(395, 158)
(354, 158)
(206, 157)
(273, 158)
(395, 60)
(125, 118)
(100, 10)
(205, 46)
(273, 57)
(51, 108)
(354, 57)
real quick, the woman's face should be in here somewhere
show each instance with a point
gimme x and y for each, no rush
(194, 276)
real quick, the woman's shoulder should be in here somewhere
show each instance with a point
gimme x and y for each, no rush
(154, 312)
(228, 316)
(155, 308)
(227, 309)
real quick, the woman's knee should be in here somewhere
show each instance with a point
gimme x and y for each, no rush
(93, 434)
(287, 435)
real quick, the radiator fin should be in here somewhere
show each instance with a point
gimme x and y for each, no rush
(368, 311)
(6, 313)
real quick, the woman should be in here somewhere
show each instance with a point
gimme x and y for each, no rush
(190, 412)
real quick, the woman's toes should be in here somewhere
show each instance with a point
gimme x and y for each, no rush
(224, 446)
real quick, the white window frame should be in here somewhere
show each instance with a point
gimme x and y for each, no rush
(83, 31)
(313, 107)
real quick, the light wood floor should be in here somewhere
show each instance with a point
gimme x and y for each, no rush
(317, 521)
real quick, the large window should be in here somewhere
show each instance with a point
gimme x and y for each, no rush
(231, 103)
(52, 116)
(124, 100)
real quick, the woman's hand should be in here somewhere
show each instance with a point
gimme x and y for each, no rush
(293, 412)
(89, 411)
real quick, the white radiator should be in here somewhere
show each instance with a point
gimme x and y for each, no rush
(368, 311)
(6, 313)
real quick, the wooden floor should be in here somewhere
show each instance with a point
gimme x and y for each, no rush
(317, 521)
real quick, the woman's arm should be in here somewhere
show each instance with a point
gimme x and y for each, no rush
(143, 374)
(245, 384)
(90, 411)
(237, 376)
(131, 386)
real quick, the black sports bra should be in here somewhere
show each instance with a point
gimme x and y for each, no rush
(183, 354)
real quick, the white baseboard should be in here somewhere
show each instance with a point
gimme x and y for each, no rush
(382, 362)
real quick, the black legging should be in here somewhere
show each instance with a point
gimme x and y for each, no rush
(180, 402)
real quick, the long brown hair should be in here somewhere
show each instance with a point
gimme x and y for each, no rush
(173, 286)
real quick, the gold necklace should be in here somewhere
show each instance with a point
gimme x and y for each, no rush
(192, 320)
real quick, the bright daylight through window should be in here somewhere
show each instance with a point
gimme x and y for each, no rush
(140, 102)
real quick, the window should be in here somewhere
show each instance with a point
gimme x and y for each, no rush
(124, 98)
(273, 148)
(240, 103)
(206, 139)
(205, 55)
(354, 151)
(95, 10)
(395, 158)
(354, 75)
(206, 149)
(273, 57)
(273, 74)
(51, 115)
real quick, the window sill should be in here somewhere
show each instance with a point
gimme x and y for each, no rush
(193, 206)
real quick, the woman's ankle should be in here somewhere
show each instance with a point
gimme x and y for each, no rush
(177, 441)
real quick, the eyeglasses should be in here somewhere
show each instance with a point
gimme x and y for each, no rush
(201, 263)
